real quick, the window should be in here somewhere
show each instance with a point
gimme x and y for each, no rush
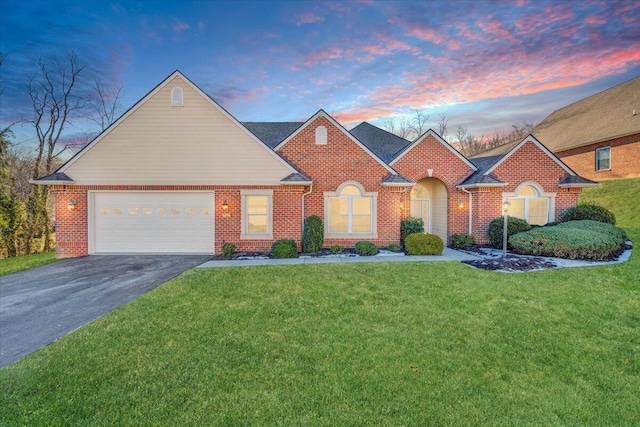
(350, 211)
(531, 204)
(420, 205)
(257, 207)
(321, 135)
(603, 159)
(177, 97)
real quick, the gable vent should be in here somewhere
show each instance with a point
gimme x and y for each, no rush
(177, 97)
(321, 135)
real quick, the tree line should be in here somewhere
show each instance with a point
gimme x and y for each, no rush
(60, 90)
(462, 140)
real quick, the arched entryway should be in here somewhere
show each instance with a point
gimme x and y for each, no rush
(429, 202)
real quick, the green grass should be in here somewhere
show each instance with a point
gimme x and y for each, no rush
(620, 196)
(25, 262)
(350, 344)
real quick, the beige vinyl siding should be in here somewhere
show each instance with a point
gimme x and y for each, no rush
(191, 144)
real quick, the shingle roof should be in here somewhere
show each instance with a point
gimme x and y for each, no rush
(272, 133)
(296, 177)
(478, 177)
(55, 177)
(575, 180)
(384, 144)
(398, 179)
(605, 115)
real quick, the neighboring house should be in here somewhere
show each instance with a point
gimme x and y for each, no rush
(178, 174)
(597, 137)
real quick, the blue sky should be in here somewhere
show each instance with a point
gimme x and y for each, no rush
(485, 64)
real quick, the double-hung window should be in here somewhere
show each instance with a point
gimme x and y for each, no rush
(603, 159)
(350, 212)
(531, 204)
(257, 213)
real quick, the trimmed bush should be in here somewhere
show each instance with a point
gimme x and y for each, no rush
(284, 249)
(228, 250)
(313, 235)
(423, 244)
(410, 226)
(366, 248)
(514, 226)
(395, 247)
(588, 240)
(461, 241)
(589, 211)
(337, 249)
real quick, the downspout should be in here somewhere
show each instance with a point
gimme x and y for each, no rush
(304, 194)
(470, 209)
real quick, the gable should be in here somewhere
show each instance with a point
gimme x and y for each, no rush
(160, 144)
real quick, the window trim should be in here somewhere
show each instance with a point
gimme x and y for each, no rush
(598, 150)
(328, 195)
(244, 229)
(321, 135)
(551, 197)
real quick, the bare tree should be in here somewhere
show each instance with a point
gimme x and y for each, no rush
(106, 102)
(442, 125)
(55, 98)
(419, 123)
(401, 128)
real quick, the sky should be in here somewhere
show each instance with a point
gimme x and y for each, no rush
(484, 64)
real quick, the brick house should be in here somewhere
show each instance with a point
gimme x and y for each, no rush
(178, 174)
(598, 137)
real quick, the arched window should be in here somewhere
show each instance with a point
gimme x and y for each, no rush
(321, 135)
(350, 210)
(530, 203)
(177, 97)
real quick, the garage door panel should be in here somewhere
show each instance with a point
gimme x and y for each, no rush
(153, 222)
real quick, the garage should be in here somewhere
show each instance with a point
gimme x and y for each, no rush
(151, 222)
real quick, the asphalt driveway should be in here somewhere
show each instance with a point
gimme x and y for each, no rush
(40, 305)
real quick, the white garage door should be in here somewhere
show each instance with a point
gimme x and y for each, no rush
(152, 222)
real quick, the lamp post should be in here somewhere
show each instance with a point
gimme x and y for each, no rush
(505, 209)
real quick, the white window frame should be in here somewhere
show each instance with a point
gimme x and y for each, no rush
(598, 150)
(551, 197)
(244, 228)
(373, 234)
(177, 97)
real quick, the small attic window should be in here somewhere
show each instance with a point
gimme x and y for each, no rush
(177, 97)
(321, 135)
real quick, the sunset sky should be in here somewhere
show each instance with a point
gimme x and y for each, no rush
(485, 64)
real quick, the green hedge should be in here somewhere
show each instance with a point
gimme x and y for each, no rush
(409, 226)
(589, 211)
(461, 241)
(366, 248)
(514, 226)
(423, 244)
(313, 235)
(588, 240)
(284, 249)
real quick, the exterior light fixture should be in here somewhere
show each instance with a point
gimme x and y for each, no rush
(460, 204)
(225, 205)
(505, 208)
(72, 204)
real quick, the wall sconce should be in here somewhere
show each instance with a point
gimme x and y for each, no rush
(225, 205)
(505, 206)
(460, 204)
(72, 204)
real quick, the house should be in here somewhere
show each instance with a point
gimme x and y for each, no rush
(178, 174)
(597, 137)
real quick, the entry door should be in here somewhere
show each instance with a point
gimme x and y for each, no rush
(420, 206)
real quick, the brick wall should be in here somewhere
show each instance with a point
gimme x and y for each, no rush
(625, 159)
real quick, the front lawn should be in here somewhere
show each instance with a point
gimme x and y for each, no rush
(25, 262)
(359, 344)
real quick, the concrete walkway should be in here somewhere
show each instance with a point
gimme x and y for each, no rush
(447, 255)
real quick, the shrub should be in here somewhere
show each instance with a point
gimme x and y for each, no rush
(514, 226)
(284, 249)
(337, 249)
(587, 240)
(366, 248)
(228, 250)
(395, 247)
(461, 241)
(423, 244)
(589, 211)
(313, 235)
(410, 226)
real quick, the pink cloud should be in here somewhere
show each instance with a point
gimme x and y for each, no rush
(308, 18)
(324, 56)
(180, 26)
(595, 20)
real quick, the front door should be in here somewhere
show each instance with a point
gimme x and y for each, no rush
(420, 206)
